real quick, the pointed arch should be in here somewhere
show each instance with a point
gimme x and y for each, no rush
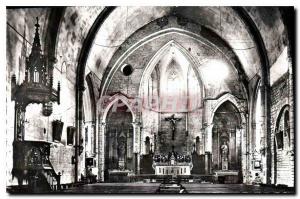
(281, 113)
(114, 99)
(235, 102)
(160, 53)
(89, 102)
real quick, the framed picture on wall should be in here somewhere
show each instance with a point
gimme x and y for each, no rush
(257, 164)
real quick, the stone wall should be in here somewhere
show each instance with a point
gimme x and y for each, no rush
(281, 95)
(37, 126)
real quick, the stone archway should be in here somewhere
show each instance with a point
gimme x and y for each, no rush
(118, 151)
(227, 140)
(117, 108)
(282, 147)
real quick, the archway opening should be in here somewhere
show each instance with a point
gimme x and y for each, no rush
(119, 140)
(282, 147)
(226, 150)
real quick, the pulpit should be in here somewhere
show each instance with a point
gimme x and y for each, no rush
(32, 163)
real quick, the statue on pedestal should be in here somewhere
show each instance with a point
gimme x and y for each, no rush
(121, 152)
(224, 155)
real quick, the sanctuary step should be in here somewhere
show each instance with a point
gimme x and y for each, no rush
(170, 188)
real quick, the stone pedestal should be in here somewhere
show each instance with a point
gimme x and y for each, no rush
(208, 163)
(224, 163)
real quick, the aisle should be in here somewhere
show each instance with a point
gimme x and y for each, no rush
(127, 188)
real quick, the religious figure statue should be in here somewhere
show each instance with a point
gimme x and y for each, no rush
(121, 152)
(147, 145)
(224, 155)
(173, 121)
(224, 149)
(172, 158)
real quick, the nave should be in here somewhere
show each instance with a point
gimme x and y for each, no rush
(143, 99)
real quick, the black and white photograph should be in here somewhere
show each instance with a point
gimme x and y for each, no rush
(150, 100)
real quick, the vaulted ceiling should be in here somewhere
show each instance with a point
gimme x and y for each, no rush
(224, 21)
(94, 38)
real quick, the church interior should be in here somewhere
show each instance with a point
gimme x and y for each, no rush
(150, 99)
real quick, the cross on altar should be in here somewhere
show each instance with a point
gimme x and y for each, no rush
(173, 121)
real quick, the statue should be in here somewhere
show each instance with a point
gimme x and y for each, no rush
(173, 121)
(121, 152)
(172, 158)
(224, 149)
(224, 155)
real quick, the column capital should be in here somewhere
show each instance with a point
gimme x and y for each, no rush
(136, 123)
(208, 125)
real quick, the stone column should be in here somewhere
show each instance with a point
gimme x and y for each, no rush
(96, 146)
(244, 156)
(247, 149)
(208, 138)
(243, 152)
(266, 138)
(292, 122)
(137, 144)
(101, 150)
(208, 148)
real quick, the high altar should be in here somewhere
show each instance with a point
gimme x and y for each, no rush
(172, 164)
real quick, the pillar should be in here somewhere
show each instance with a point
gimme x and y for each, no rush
(266, 158)
(208, 148)
(137, 144)
(208, 138)
(101, 150)
(244, 153)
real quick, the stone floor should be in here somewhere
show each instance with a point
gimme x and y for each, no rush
(125, 188)
(117, 188)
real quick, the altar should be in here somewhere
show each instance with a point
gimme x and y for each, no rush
(119, 175)
(172, 164)
(227, 176)
(172, 170)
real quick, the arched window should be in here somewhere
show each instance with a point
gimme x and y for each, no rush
(287, 127)
(174, 84)
(282, 131)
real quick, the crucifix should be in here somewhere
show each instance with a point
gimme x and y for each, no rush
(173, 121)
